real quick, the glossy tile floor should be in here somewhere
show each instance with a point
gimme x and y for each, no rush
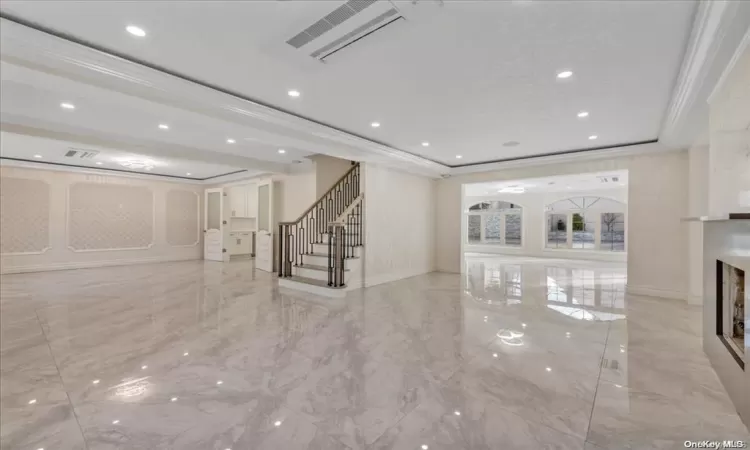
(516, 354)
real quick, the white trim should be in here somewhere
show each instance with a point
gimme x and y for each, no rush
(197, 219)
(694, 299)
(654, 292)
(92, 250)
(99, 172)
(718, 29)
(77, 61)
(91, 264)
(615, 152)
(728, 69)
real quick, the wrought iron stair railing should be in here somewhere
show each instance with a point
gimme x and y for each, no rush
(297, 239)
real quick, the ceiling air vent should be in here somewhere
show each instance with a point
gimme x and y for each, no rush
(79, 153)
(343, 26)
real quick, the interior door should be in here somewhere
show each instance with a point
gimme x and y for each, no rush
(214, 226)
(264, 255)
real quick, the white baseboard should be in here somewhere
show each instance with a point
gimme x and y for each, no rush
(312, 288)
(653, 292)
(390, 277)
(90, 264)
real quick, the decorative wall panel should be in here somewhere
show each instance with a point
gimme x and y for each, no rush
(110, 217)
(24, 215)
(182, 218)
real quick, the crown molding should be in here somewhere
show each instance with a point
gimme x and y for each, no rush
(741, 49)
(41, 50)
(651, 147)
(718, 30)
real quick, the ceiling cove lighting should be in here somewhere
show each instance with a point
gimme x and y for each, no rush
(230, 141)
(135, 31)
(375, 124)
(67, 106)
(565, 74)
(163, 126)
(293, 93)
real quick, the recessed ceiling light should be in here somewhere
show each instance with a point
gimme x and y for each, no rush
(281, 150)
(188, 174)
(99, 163)
(425, 144)
(593, 137)
(293, 93)
(549, 369)
(135, 31)
(277, 423)
(583, 114)
(174, 399)
(457, 412)
(96, 381)
(32, 401)
(375, 124)
(67, 106)
(163, 126)
(459, 156)
(565, 74)
(144, 367)
(230, 141)
(38, 156)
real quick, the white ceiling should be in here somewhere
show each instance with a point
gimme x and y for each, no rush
(467, 76)
(584, 182)
(32, 98)
(15, 147)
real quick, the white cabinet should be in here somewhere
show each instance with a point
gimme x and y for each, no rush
(244, 200)
(240, 243)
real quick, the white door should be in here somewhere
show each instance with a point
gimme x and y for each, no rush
(264, 254)
(214, 226)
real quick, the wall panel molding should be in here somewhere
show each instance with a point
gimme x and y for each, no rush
(110, 217)
(24, 216)
(182, 222)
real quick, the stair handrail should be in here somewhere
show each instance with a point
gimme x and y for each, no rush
(307, 211)
(298, 238)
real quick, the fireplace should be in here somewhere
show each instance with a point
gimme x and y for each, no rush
(730, 309)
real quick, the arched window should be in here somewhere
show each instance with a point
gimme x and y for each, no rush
(589, 223)
(494, 222)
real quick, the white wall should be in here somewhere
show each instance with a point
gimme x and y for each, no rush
(328, 170)
(657, 200)
(697, 206)
(729, 155)
(38, 234)
(296, 194)
(534, 221)
(399, 228)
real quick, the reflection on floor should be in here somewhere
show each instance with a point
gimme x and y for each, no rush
(516, 354)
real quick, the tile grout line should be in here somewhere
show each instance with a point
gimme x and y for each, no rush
(57, 367)
(598, 380)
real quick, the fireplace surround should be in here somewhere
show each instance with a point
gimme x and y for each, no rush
(726, 284)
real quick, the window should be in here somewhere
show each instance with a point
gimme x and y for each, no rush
(583, 231)
(595, 223)
(495, 222)
(557, 230)
(613, 232)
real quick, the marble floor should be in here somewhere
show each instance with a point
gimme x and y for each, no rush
(515, 354)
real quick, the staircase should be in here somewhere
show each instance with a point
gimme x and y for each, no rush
(321, 251)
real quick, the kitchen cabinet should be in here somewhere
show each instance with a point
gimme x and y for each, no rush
(240, 243)
(244, 200)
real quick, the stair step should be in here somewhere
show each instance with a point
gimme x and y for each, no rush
(312, 281)
(316, 267)
(325, 255)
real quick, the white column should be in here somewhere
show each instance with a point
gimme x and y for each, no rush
(569, 229)
(597, 230)
(503, 216)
